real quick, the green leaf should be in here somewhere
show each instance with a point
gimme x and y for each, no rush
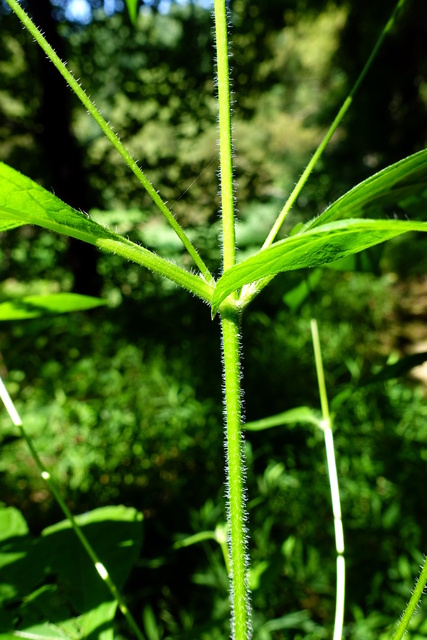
(400, 188)
(297, 296)
(21, 566)
(313, 248)
(201, 536)
(395, 370)
(150, 625)
(298, 415)
(23, 201)
(114, 532)
(50, 304)
(73, 586)
(132, 6)
(40, 632)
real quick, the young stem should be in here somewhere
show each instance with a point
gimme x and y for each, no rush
(304, 177)
(108, 131)
(333, 481)
(417, 594)
(240, 622)
(99, 566)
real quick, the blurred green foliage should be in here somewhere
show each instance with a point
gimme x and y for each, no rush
(49, 584)
(124, 403)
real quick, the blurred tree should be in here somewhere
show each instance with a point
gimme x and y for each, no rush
(62, 154)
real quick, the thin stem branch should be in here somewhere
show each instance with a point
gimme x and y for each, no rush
(333, 481)
(341, 113)
(225, 142)
(417, 594)
(112, 137)
(241, 626)
(99, 566)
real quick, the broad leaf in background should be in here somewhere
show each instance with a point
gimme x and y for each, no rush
(23, 201)
(52, 578)
(313, 248)
(401, 188)
(50, 304)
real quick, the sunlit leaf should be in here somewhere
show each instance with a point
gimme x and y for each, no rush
(313, 248)
(23, 201)
(51, 304)
(399, 189)
(45, 631)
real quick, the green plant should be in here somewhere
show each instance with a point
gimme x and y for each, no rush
(339, 232)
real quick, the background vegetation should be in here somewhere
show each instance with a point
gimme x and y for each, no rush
(122, 405)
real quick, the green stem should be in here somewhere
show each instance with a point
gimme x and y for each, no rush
(112, 137)
(333, 481)
(241, 628)
(99, 566)
(417, 594)
(225, 143)
(304, 177)
(230, 319)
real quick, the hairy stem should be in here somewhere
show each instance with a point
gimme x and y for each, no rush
(230, 318)
(240, 623)
(417, 594)
(225, 143)
(99, 566)
(112, 137)
(304, 177)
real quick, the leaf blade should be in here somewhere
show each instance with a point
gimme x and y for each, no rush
(29, 307)
(297, 415)
(23, 201)
(402, 185)
(313, 248)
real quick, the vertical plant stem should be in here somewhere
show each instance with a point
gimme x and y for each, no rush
(230, 319)
(417, 594)
(99, 566)
(240, 623)
(225, 143)
(333, 481)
